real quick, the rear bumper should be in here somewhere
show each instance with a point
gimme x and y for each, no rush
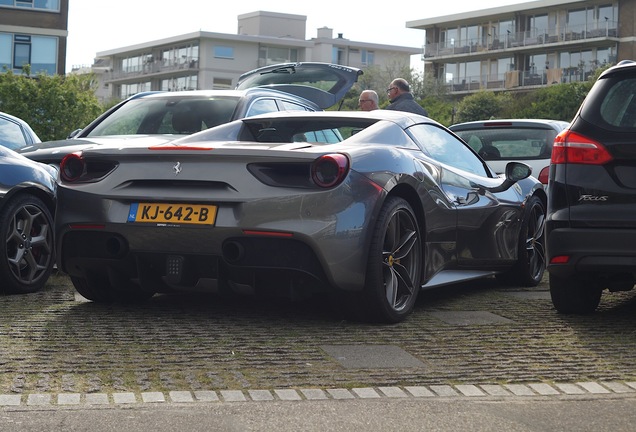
(242, 259)
(595, 252)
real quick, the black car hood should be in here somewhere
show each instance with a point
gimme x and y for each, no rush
(324, 84)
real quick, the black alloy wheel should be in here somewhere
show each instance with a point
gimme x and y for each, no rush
(27, 251)
(395, 263)
(531, 258)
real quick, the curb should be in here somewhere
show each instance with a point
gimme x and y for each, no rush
(313, 394)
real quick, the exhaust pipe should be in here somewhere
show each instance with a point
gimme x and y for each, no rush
(233, 252)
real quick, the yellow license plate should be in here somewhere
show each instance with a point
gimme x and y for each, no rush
(172, 213)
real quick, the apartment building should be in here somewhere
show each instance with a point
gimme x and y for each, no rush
(208, 60)
(33, 32)
(527, 45)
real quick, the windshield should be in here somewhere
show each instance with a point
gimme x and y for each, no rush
(167, 115)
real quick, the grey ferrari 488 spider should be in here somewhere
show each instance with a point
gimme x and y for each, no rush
(371, 207)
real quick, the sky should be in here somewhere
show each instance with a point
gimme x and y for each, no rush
(95, 26)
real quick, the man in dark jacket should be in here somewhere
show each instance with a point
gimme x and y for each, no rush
(399, 93)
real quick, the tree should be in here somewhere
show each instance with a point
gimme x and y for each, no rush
(482, 105)
(53, 105)
(557, 102)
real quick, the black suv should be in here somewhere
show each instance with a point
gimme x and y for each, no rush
(591, 221)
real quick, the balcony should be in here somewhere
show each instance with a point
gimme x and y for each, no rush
(156, 68)
(520, 80)
(518, 41)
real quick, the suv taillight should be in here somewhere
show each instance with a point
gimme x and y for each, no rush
(571, 147)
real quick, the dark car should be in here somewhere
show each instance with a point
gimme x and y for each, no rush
(591, 222)
(27, 205)
(156, 117)
(502, 141)
(15, 133)
(367, 206)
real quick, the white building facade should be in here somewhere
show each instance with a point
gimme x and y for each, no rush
(208, 60)
(527, 45)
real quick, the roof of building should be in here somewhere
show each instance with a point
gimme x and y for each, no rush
(475, 15)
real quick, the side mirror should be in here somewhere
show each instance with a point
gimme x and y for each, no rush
(74, 133)
(515, 171)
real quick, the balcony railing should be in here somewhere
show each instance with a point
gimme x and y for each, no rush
(156, 67)
(522, 39)
(517, 79)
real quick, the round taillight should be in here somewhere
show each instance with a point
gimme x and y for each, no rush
(329, 170)
(543, 175)
(72, 167)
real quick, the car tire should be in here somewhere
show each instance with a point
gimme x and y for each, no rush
(394, 264)
(573, 295)
(28, 251)
(99, 290)
(531, 257)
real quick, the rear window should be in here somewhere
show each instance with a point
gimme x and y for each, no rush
(618, 107)
(510, 143)
(181, 116)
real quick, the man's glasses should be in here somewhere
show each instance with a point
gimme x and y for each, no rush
(391, 88)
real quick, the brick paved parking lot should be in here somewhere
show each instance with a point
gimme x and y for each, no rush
(476, 334)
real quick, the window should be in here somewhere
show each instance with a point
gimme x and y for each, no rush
(367, 57)
(472, 71)
(273, 55)
(327, 136)
(451, 38)
(43, 55)
(338, 55)
(128, 90)
(510, 143)
(291, 106)
(11, 135)
(618, 107)
(223, 52)
(538, 25)
(51, 5)
(181, 57)
(189, 82)
(576, 20)
(607, 13)
(469, 35)
(38, 51)
(5, 51)
(222, 83)
(133, 64)
(445, 148)
(21, 51)
(262, 106)
(278, 55)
